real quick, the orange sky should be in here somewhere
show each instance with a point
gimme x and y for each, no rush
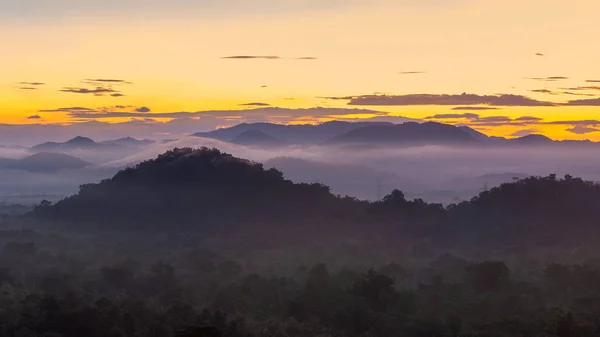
(172, 53)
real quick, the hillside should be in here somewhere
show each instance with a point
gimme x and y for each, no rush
(345, 179)
(407, 133)
(44, 162)
(208, 190)
(77, 143)
(258, 139)
(185, 187)
(300, 134)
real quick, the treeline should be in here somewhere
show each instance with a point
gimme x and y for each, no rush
(68, 292)
(207, 190)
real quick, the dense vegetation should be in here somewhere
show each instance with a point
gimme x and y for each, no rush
(208, 190)
(199, 243)
(110, 286)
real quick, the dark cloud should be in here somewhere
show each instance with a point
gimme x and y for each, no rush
(143, 109)
(454, 116)
(494, 119)
(35, 117)
(434, 99)
(539, 54)
(525, 132)
(543, 91)
(117, 94)
(582, 130)
(76, 109)
(264, 86)
(585, 122)
(582, 88)
(548, 79)
(584, 102)
(32, 83)
(412, 72)
(593, 81)
(474, 108)
(255, 104)
(473, 119)
(265, 57)
(529, 119)
(249, 57)
(98, 91)
(107, 80)
(576, 93)
(27, 88)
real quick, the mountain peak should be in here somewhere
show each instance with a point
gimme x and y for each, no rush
(80, 140)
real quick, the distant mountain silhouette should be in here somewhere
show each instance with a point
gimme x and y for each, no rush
(129, 141)
(407, 133)
(534, 210)
(44, 162)
(211, 191)
(257, 138)
(77, 143)
(485, 181)
(345, 179)
(199, 188)
(533, 139)
(300, 134)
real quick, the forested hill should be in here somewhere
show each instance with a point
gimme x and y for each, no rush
(206, 189)
(191, 187)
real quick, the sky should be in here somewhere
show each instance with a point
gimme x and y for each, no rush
(507, 68)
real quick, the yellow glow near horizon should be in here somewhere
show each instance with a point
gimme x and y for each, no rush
(175, 62)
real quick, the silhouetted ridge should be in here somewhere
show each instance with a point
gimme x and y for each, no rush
(306, 134)
(44, 162)
(257, 138)
(545, 210)
(191, 187)
(407, 133)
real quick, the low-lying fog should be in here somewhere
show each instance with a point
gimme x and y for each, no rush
(434, 173)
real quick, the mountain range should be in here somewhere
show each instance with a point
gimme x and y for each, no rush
(44, 162)
(84, 143)
(370, 134)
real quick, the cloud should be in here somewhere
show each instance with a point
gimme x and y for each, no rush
(445, 99)
(582, 88)
(474, 108)
(27, 88)
(525, 132)
(575, 93)
(586, 122)
(255, 104)
(263, 57)
(412, 72)
(34, 117)
(107, 80)
(593, 81)
(117, 94)
(454, 116)
(548, 79)
(76, 109)
(264, 86)
(32, 83)
(249, 57)
(98, 91)
(143, 109)
(539, 54)
(543, 91)
(584, 102)
(529, 119)
(582, 130)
